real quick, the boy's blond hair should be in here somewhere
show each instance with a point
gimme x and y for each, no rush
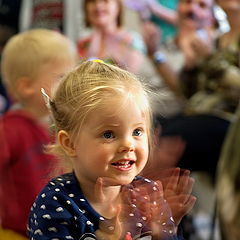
(90, 86)
(26, 52)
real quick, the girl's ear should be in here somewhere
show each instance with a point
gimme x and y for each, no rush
(66, 143)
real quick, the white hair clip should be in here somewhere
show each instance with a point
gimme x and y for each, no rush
(46, 98)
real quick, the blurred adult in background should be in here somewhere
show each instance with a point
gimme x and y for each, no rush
(203, 133)
(109, 40)
(213, 79)
(211, 85)
(193, 40)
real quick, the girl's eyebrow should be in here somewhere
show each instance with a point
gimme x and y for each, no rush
(100, 126)
(115, 125)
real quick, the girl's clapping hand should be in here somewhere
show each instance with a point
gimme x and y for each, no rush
(149, 199)
(109, 229)
(177, 192)
(177, 188)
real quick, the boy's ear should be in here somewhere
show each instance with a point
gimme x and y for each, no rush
(66, 143)
(24, 86)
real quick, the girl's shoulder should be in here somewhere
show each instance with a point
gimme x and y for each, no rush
(62, 189)
(62, 210)
(63, 185)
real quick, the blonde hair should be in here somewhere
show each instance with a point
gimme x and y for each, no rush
(91, 86)
(26, 52)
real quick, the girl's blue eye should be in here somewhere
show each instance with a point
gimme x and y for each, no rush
(137, 132)
(108, 134)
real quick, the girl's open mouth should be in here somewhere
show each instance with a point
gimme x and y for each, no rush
(123, 164)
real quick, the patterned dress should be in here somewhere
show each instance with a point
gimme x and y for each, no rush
(62, 212)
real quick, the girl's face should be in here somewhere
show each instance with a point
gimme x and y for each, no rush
(229, 5)
(112, 145)
(102, 13)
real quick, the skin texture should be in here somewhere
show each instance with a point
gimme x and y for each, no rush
(113, 138)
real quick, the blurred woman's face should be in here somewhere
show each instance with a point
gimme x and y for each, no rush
(102, 13)
(229, 5)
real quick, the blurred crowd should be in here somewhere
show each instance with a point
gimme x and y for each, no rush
(188, 54)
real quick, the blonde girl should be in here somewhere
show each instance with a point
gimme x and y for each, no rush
(103, 123)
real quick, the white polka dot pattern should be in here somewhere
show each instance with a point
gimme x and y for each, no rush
(62, 212)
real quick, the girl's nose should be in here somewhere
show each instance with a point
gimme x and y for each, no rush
(126, 146)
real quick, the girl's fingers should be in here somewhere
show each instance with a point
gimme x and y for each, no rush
(158, 188)
(189, 187)
(189, 204)
(98, 190)
(179, 199)
(180, 205)
(116, 220)
(173, 181)
(183, 182)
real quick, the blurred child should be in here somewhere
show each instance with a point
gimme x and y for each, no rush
(103, 125)
(30, 60)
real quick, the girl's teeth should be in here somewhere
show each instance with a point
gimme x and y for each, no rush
(124, 166)
(123, 163)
